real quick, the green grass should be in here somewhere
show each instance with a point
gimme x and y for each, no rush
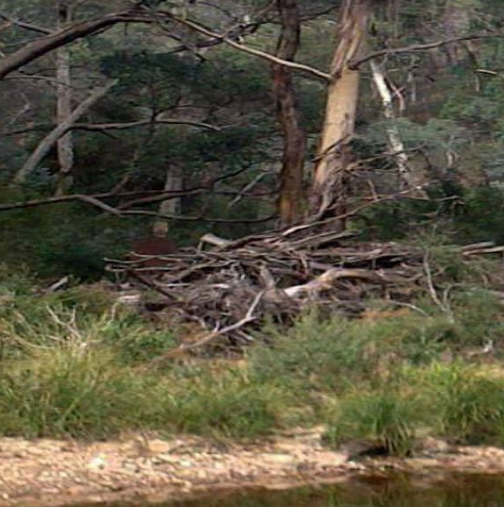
(389, 417)
(77, 364)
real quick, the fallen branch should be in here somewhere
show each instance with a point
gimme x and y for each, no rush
(186, 347)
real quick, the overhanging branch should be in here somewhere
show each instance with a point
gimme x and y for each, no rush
(246, 49)
(39, 47)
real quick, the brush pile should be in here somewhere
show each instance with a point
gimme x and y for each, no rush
(231, 288)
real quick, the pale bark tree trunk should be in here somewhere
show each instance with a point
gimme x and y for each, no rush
(334, 154)
(48, 142)
(396, 146)
(291, 197)
(173, 182)
(65, 146)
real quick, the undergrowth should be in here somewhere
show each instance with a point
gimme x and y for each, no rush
(75, 363)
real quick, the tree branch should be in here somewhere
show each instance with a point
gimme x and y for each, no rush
(26, 26)
(53, 136)
(355, 64)
(100, 127)
(142, 123)
(216, 333)
(33, 50)
(246, 49)
(198, 218)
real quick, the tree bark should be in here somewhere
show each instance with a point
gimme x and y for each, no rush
(394, 139)
(48, 142)
(330, 182)
(291, 197)
(64, 105)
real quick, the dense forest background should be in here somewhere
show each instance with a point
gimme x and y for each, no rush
(173, 117)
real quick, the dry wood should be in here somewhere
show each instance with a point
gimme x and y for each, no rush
(278, 274)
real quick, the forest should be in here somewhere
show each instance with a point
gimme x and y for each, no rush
(288, 210)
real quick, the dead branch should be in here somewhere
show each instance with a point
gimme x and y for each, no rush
(203, 218)
(326, 281)
(186, 347)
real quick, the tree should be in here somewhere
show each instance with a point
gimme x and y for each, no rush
(334, 152)
(294, 138)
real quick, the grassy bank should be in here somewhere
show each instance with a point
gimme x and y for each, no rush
(77, 364)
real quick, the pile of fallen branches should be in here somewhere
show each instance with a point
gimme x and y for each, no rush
(231, 288)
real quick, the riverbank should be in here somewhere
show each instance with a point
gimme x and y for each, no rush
(51, 473)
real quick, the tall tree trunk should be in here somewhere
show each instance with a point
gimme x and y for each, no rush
(334, 154)
(291, 197)
(64, 105)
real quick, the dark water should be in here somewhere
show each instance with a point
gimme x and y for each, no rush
(457, 491)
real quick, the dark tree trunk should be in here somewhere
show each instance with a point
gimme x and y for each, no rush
(294, 138)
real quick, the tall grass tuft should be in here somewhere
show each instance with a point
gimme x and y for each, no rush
(388, 417)
(70, 391)
(469, 401)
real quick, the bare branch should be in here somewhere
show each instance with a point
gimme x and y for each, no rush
(355, 64)
(21, 24)
(102, 127)
(142, 123)
(199, 218)
(96, 201)
(246, 49)
(185, 347)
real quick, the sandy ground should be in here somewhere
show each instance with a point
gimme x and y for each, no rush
(53, 473)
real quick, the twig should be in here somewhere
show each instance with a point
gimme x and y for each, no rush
(185, 347)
